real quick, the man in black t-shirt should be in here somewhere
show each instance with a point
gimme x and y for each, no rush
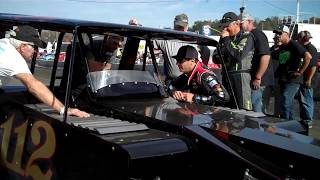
(275, 89)
(261, 70)
(290, 70)
(306, 91)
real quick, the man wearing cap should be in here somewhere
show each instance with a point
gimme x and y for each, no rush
(275, 50)
(14, 52)
(290, 69)
(261, 70)
(170, 48)
(197, 84)
(237, 48)
(306, 91)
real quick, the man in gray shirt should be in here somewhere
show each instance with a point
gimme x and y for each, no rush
(170, 48)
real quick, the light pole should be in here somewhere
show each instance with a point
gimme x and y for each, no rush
(298, 11)
(242, 9)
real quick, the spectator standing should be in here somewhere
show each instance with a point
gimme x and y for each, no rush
(290, 69)
(170, 48)
(134, 22)
(306, 91)
(142, 43)
(237, 48)
(197, 84)
(14, 52)
(275, 51)
(275, 91)
(261, 69)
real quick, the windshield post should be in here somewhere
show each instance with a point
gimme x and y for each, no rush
(73, 51)
(227, 75)
(55, 62)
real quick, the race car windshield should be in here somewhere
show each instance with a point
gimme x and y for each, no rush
(123, 82)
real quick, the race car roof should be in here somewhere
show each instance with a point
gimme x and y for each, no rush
(69, 25)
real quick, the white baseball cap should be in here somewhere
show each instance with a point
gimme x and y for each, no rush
(281, 28)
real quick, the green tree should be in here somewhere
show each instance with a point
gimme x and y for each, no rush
(268, 24)
(315, 20)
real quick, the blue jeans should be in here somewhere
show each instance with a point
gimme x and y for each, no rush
(256, 98)
(288, 91)
(306, 103)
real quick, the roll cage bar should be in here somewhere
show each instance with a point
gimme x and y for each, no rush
(78, 27)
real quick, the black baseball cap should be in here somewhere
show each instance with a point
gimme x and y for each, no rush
(304, 35)
(29, 34)
(228, 18)
(186, 52)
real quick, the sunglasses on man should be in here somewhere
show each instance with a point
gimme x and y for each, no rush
(34, 47)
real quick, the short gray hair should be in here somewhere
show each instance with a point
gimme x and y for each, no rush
(16, 43)
(245, 16)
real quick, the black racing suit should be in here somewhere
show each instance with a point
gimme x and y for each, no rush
(237, 52)
(203, 83)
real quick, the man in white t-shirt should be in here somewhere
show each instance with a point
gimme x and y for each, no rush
(14, 52)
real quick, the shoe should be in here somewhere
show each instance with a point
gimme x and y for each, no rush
(307, 123)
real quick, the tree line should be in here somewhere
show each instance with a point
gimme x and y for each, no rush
(267, 24)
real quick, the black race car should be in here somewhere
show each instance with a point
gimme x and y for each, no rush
(137, 131)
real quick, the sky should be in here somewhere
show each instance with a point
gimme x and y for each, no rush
(156, 13)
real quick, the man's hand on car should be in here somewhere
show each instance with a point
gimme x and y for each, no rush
(188, 97)
(77, 112)
(183, 96)
(178, 95)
